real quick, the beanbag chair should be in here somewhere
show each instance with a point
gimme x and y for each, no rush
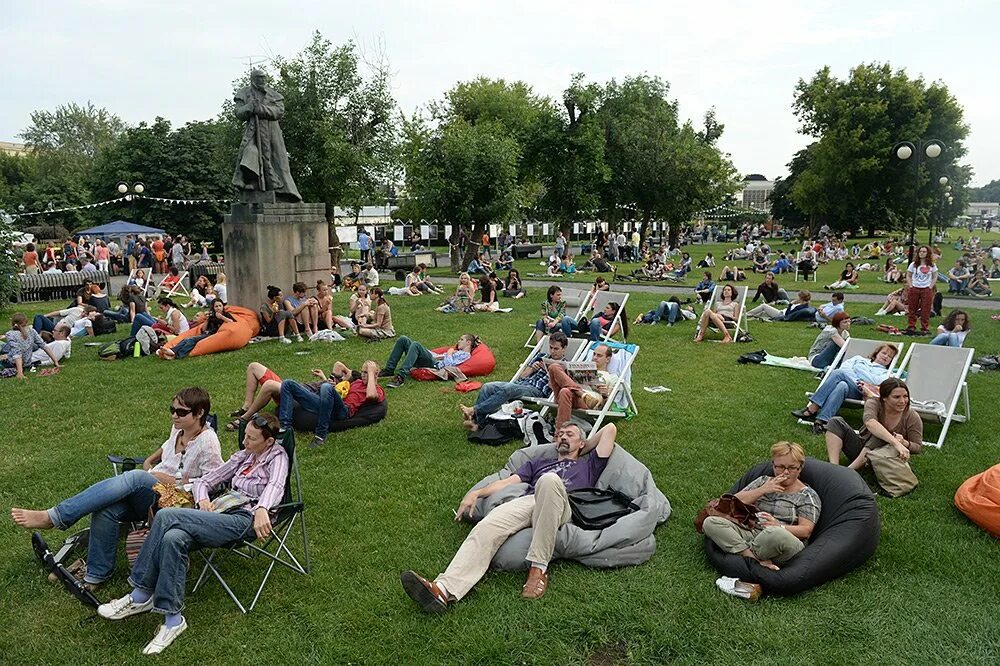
(979, 499)
(229, 337)
(844, 538)
(629, 541)
(481, 363)
(367, 414)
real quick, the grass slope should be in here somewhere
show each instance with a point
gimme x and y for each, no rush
(380, 499)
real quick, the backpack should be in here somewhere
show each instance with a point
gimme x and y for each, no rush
(104, 325)
(752, 357)
(936, 307)
(535, 430)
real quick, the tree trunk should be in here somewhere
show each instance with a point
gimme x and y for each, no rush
(472, 248)
(454, 256)
(673, 234)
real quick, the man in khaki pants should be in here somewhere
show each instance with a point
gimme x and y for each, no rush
(545, 507)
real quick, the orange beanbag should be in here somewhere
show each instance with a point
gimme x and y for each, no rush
(481, 363)
(979, 499)
(230, 336)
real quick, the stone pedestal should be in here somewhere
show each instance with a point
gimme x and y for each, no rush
(274, 243)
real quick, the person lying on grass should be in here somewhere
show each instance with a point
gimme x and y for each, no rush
(799, 309)
(533, 382)
(570, 395)
(579, 463)
(846, 382)
(888, 421)
(22, 342)
(257, 474)
(788, 510)
(191, 451)
(327, 399)
(415, 355)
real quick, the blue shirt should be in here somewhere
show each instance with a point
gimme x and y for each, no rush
(364, 241)
(453, 358)
(829, 310)
(705, 285)
(538, 379)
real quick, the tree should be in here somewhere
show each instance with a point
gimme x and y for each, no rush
(852, 178)
(988, 192)
(783, 207)
(667, 169)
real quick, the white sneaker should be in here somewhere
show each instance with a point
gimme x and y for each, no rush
(285, 341)
(119, 609)
(298, 338)
(164, 637)
(737, 588)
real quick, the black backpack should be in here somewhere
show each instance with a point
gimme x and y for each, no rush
(752, 357)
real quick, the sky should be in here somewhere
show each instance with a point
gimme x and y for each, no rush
(177, 59)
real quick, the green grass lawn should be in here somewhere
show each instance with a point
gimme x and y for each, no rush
(869, 283)
(379, 501)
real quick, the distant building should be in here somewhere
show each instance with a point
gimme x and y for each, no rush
(756, 191)
(11, 148)
(368, 215)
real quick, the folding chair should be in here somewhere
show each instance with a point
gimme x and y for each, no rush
(174, 289)
(275, 549)
(859, 347)
(740, 326)
(799, 258)
(616, 332)
(573, 348)
(147, 282)
(938, 375)
(573, 297)
(619, 395)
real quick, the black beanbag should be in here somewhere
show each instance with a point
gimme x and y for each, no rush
(844, 538)
(367, 414)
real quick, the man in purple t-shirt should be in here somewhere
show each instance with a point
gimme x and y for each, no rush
(545, 507)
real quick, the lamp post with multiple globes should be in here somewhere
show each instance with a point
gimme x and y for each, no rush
(918, 151)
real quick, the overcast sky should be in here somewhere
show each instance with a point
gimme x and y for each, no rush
(177, 58)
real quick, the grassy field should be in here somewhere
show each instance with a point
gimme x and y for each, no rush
(379, 501)
(869, 283)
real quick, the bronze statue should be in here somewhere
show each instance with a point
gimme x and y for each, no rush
(263, 161)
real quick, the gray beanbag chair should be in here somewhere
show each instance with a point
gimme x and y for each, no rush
(367, 414)
(844, 538)
(629, 541)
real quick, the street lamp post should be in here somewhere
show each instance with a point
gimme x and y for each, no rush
(917, 150)
(946, 198)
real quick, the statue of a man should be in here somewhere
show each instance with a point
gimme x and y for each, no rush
(263, 161)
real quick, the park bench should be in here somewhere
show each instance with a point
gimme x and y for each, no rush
(525, 250)
(410, 260)
(211, 269)
(51, 286)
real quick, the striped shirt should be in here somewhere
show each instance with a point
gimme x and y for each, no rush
(787, 508)
(263, 480)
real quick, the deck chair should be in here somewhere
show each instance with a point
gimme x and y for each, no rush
(172, 290)
(859, 347)
(597, 305)
(937, 376)
(574, 298)
(620, 401)
(801, 271)
(573, 349)
(740, 325)
(147, 280)
(276, 549)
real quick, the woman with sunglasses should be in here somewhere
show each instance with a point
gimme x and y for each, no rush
(257, 476)
(191, 451)
(788, 510)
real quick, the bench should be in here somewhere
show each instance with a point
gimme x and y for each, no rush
(211, 269)
(411, 259)
(525, 250)
(52, 286)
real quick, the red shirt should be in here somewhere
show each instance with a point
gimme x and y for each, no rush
(357, 395)
(30, 258)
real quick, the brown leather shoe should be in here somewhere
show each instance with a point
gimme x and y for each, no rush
(536, 584)
(426, 593)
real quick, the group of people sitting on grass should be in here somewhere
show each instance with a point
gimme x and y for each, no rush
(368, 313)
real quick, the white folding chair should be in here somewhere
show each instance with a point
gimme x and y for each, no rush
(740, 326)
(601, 299)
(574, 298)
(573, 348)
(174, 289)
(938, 375)
(801, 256)
(860, 347)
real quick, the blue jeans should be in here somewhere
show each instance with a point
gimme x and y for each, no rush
(162, 565)
(123, 498)
(665, 310)
(957, 286)
(596, 330)
(567, 325)
(325, 405)
(494, 394)
(141, 319)
(802, 314)
(120, 315)
(838, 387)
(947, 340)
(186, 346)
(412, 353)
(822, 360)
(43, 323)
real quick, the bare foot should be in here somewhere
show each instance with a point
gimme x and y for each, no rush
(769, 564)
(467, 412)
(470, 425)
(726, 340)
(31, 520)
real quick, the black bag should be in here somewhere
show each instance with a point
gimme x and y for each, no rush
(752, 357)
(937, 304)
(495, 434)
(583, 326)
(104, 325)
(596, 509)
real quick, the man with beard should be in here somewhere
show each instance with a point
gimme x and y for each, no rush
(545, 507)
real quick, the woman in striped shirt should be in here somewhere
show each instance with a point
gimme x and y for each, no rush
(257, 475)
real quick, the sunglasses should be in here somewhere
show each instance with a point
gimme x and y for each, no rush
(180, 411)
(262, 423)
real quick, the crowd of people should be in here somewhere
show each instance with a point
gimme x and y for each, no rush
(91, 255)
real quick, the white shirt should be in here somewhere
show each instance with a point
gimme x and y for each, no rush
(371, 277)
(923, 276)
(81, 328)
(220, 292)
(59, 348)
(201, 455)
(53, 270)
(941, 329)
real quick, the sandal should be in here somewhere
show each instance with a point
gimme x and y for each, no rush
(536, 584)
(238, 413)
(234, 425)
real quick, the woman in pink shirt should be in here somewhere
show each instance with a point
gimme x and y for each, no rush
(103, 255)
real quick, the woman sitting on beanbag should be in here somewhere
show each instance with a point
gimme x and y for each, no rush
(214, 320)
(888, 421)
(788, 510)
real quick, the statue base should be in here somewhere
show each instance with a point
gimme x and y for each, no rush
(274, 243)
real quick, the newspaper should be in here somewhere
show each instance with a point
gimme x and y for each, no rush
(582, 372)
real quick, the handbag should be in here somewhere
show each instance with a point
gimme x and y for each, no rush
(894, 475)
(731, 508)
(597, 508)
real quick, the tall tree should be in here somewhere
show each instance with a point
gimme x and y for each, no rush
(783, 207)
(988, 192)
(852, 178)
